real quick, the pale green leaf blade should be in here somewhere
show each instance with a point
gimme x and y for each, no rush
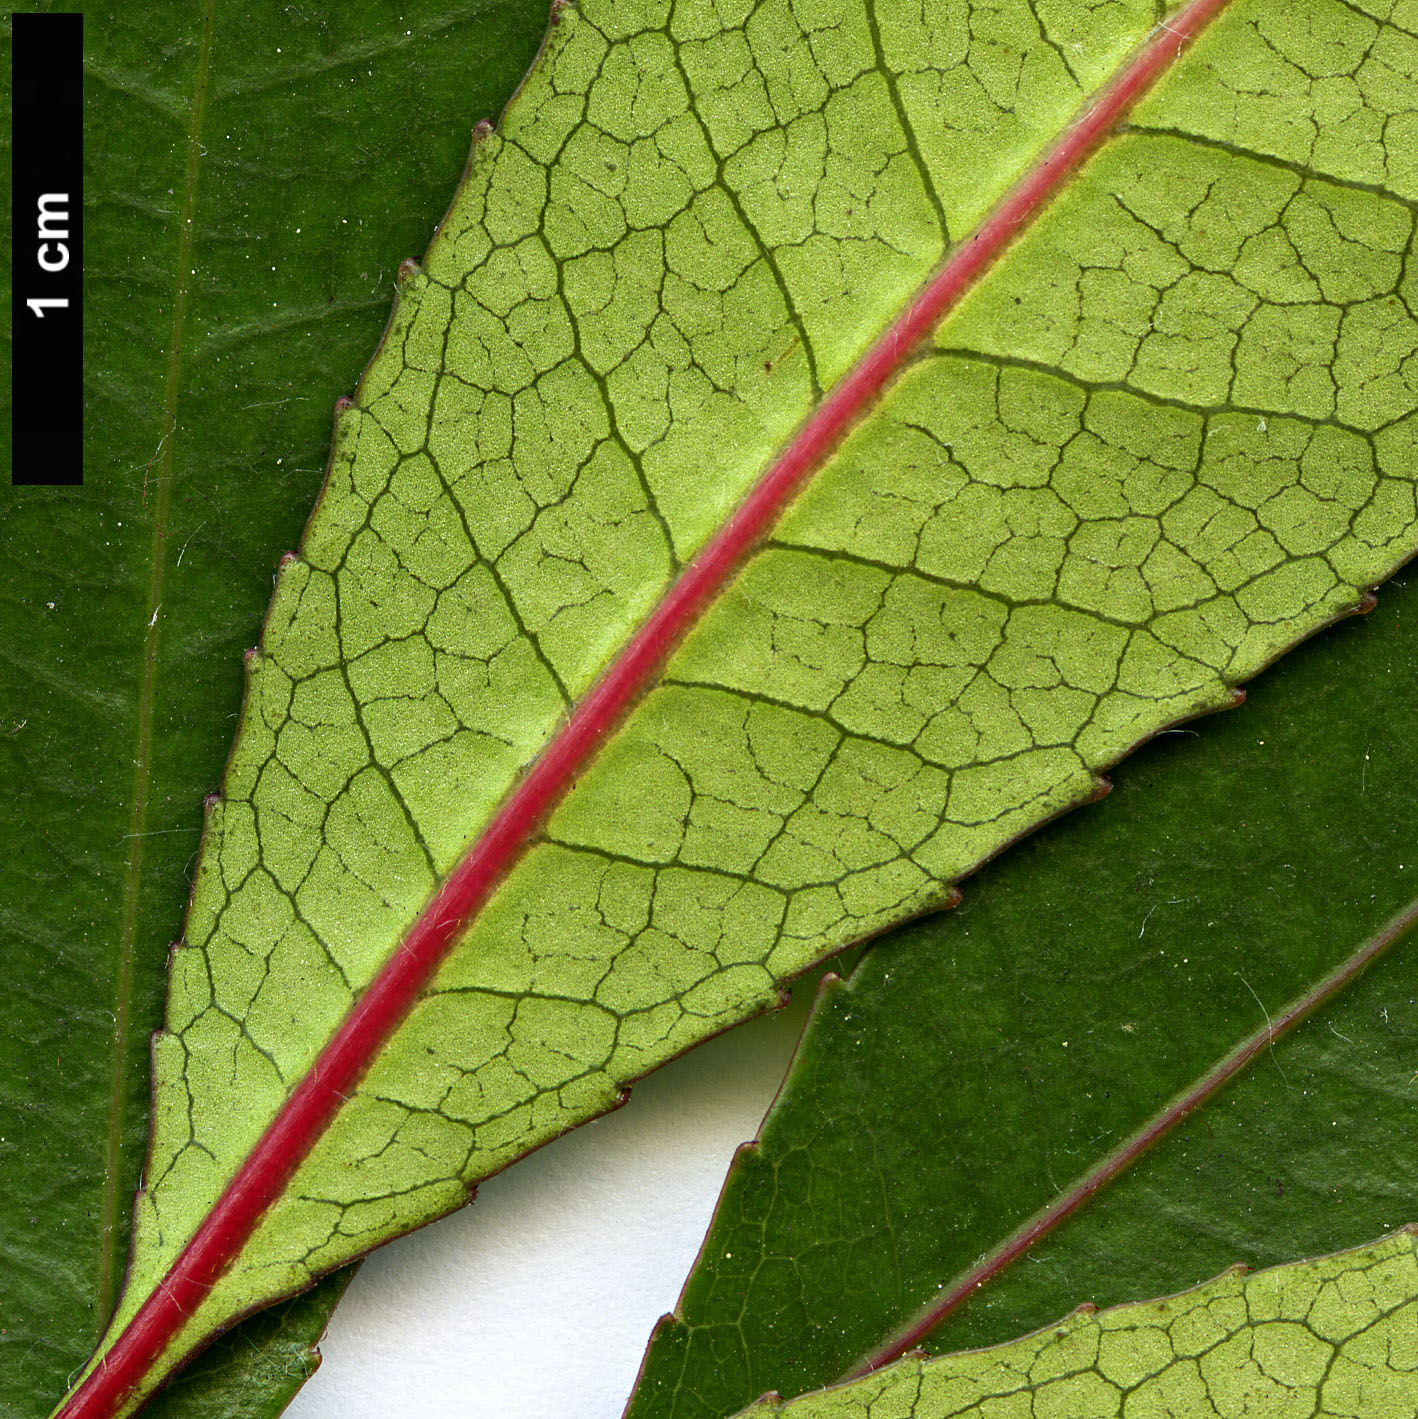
(99, 834)
(1066, 526)
(1333, 1338)
(1112, 965)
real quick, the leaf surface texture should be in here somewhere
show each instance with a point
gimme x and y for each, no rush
(1332, 1337)
(99, 836)
(1169, 434)
(969, 1085)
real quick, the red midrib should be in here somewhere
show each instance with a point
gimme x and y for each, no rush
(382, 1008)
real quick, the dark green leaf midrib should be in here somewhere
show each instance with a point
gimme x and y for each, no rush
(111, 1233)
(1153, 1131)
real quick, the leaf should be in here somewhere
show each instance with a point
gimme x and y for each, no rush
(1333, 1336)
(188, 524)
(779, 794)
(947, 1177)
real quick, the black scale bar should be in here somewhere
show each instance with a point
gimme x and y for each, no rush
(46, 194)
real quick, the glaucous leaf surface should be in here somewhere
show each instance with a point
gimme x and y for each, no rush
(1171, 433)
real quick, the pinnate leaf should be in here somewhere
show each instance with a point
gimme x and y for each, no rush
(1168, 435)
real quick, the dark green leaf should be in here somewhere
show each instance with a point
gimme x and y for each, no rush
(977, 1066)
(324, 151)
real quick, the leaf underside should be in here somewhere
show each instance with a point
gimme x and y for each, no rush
(1336, 1337)
(1113, 964)
(100, 836)
(1171, 433)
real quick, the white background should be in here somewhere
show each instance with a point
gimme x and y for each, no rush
(536, 1302)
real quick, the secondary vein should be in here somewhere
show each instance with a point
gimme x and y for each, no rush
(315, 1100)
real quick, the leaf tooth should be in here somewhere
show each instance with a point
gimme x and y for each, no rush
(746, 1149)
